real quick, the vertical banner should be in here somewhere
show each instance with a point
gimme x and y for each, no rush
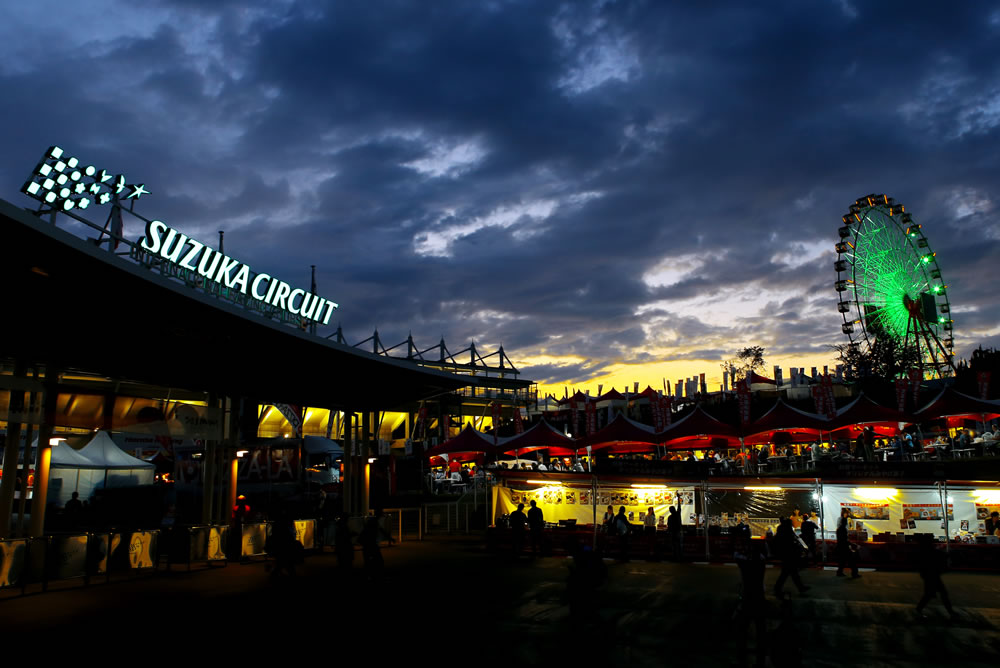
(743, 394)
(916, 378)
(656, 403)
(819, 398)
(420, 431)
(575, 416)
(983, 379)
(902, 386)
(665, 403)
(496, 422)
(591, 418)
(294, 416)
(518, 424)
(831, 403)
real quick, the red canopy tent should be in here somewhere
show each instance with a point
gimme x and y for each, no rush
(469, 440)
(540, 436)
(695, 424)
(949, 403)
(864, 411)
(621, 429)
(782, 418)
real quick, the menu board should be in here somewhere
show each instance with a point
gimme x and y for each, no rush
(926, 511)
(867, 511)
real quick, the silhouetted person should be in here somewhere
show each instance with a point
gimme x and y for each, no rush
(809, 528)
(536, 523)
(517, 522)
(623, 528)
(370, 550)
(932, 563)
(675, 531)
(283, 547)
(752, 561)
(609, 520)
(847, 554)
(787, 546)
(343, 543)
(73, 511)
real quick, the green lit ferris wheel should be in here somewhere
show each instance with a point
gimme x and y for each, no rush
(890, 284)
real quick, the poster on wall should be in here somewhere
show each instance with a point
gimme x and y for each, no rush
(867, 511)
(927, 511)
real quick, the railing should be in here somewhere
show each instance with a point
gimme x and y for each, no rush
(403, 524)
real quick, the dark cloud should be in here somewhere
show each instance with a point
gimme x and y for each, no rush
(510, 172)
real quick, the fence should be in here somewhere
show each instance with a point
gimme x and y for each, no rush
(403, 524)
(76, 556)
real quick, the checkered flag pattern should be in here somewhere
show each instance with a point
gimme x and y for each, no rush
(64, 183)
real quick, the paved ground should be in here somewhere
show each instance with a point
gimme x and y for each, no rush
(446, 601)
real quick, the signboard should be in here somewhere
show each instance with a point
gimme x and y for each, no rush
(65, 184)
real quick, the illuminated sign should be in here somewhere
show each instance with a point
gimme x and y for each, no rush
(65, 183)
(62, 182)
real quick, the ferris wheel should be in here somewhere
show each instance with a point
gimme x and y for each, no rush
(890, 284)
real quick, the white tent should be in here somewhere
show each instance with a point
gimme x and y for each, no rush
(98, 464)
(120, 468)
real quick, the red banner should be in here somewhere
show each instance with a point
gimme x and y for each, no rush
(518, 425)
(591, 418)
(902, 385)
(418, 431)
(916, 378)
(983, 378)
(496, 420)
(575, 419)
(656, 404)
(665, 403)
(831, 403)
(743, 394)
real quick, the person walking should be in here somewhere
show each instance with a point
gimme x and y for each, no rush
(847, 554)
(536, 522)
(788, 548)
(517, 522)
(675, 530)
(623, 528)
(809, 528)
(932, 563)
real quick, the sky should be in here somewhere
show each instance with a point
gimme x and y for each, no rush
(616, 192)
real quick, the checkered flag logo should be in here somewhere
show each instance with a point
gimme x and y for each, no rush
(64, 183)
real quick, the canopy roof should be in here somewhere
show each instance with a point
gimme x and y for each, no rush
(541, 435)
(316, 445)
(865, 411)
(620, 428)
(781, 416)
(695, 423)
(469, 440)
(103, 453)
(950, 403)
(64, 456)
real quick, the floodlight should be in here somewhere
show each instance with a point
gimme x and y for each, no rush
(45, 169)
(76, 175)
(55, 152)
(68, 204)
(90, 170)
(61, 179)
(33, 188)
(83, 203)
(72, 162)
(60, 165)
(48, 184)
(50, 197)
(64, 193)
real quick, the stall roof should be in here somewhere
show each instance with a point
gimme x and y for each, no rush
(469, 440)
(540, 435)
(865, 411)
(103, 453)
(695, 423)
(620, 428)
(782, 417)
(951, 403)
